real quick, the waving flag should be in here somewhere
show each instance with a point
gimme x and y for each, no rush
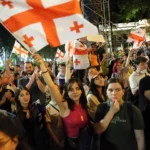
(69, 48)
(80, 56)
(17, 49)
(59, 53)
(137, 37)
(37, 23)
(60, 57)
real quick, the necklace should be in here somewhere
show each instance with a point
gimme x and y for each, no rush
(81, 114)
(27, 113)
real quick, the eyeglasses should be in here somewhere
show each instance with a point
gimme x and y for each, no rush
(2, 144)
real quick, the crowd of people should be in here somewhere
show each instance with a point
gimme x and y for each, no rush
(100, 105)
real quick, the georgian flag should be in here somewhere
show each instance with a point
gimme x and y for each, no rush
(37, 23)
(137, 37)
(69, 48)
(59, 53)
(80, 56)
(17, 49)
(61, 57)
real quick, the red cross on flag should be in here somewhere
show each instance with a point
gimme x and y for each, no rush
(61, 57)
(69, 48)
(37, 23)
(137, 37)
(80, 56)
(59, 53)
(17, 49)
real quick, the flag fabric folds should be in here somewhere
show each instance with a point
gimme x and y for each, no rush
(137, 37)
(38, 23)
(21, 52)
(59, 53)
(69, 48)
(80, 56)
(61, 57)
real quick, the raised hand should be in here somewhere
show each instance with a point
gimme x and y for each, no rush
(8, 62)
(37, 58)
(115, 107)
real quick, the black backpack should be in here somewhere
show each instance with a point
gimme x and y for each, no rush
(129, 97)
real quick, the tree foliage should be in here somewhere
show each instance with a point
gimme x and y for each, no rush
(134, 10)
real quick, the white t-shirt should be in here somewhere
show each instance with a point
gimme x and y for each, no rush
(134, 79)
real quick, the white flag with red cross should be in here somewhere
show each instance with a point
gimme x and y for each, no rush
(37, 23)
(17, 49)
(69, 48)
(61, 57)
(80, 56)
(137, 37)
(59, 53)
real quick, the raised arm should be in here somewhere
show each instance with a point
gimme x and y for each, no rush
(55, 93)
(7, 69)
(128, 58)
(41, 86)
(54, 68)
(68, 72)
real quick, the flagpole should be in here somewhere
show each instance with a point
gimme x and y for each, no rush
(12, 51)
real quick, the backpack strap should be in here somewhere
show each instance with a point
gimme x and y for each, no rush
(130, 112)
(54, 107)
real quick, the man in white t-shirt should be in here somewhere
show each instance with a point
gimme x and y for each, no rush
(136, 76)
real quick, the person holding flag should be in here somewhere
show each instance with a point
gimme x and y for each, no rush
(80, 58)
(73, 109)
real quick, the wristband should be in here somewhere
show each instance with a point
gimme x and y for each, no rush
(44, 72)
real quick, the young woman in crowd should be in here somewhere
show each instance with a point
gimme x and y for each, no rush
(58, 136)
(96, 94)
(73, 108)
(119, 123)
(11, 133)
(34, 120)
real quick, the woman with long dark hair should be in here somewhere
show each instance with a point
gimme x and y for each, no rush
(73, 108)
(97, 93)
(34, 120)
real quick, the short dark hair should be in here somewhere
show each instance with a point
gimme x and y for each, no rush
(140, 59)
(139, 52)
(63, 65)
(17, 66)
(93, 44)
(115, 80)
(16, 74)
(29, 62)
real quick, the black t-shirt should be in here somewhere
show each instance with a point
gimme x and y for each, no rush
(144, 85)
(7, 104)
(120, 132)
